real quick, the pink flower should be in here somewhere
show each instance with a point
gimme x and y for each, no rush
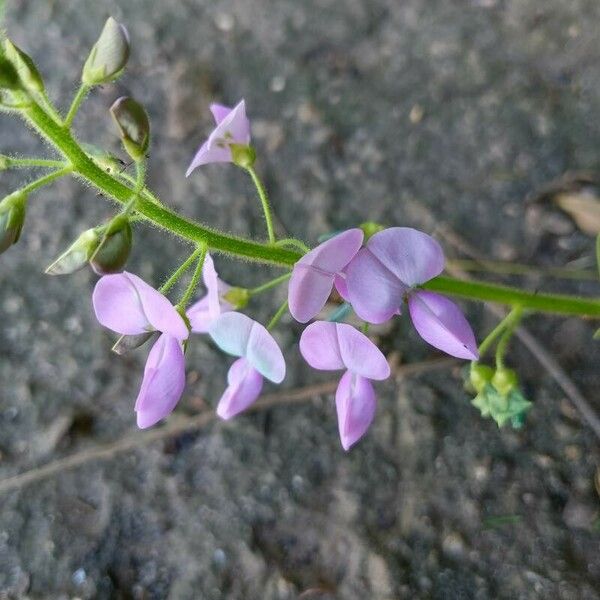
(129, 306)
(208, 308)
(331, 346)
(260, 356)
(232, 127)
(314, 274)
(388, 269)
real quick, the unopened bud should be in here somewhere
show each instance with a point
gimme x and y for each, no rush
(126, 343)
(27, 71)
(9, 78)
(115, 246)
(242, 155)
(77, 255)
(12, 217)
(505, 381)
(134, 128)
(480, 375)
(109, 55)
(237, 297)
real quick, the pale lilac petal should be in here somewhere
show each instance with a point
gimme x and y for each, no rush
(374, 292)
(319, 346)
(163, 383)
(313, 275)
(206, 155)
(219, 112)
(342, 286)
(129, 306)
(200, 316)
(411, 255)
(245, 385)
(355, 404)
(330, 346)
(442, 324)
(239, 335)
(360, 354)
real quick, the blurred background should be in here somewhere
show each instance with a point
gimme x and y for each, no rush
(475, 120)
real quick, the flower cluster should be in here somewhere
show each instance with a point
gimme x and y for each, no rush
(376, 279)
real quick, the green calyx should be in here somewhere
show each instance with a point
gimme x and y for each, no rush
(134, 126)
(115, 246)
(26, 70)
(9, 78)
(370, 228)
(237, 297)
(12, 217)
(242, 155)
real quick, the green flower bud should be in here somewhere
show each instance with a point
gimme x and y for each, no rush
(115, 246)
(505, 380)
(370, 228)
(9, 78)
(109, 55)
(242, 155)
(77, 255)
(134, 128)
(237, 297)
(480, 375)
(27, 71)
(12, 217)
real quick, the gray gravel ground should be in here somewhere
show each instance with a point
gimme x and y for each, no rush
(360, 109)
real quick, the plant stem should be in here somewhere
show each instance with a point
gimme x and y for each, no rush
(504, 268)
(176, 275)
(24, 163)
(501, 294)
(77, 100)
(45, 180)
(270, 284)
(280, 311)
(262, 194)
(191, 288)
(512, 317)
(293, 242)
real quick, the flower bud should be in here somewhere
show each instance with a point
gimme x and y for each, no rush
(12, 217)
(134, 128)
(27, 71)
(9, 78)
(505, 380)
(115, 246)
(109, 55)
(480, 375)
(77, 255)
(242, 155)
(237, 297)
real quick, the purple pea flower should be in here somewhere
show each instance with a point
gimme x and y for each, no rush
(209, 307)
(127, 305)
(388, 269)
(314, 274)
(260, 356)
(331, 346)
(232, 127)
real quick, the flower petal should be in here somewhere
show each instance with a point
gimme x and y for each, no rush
(206, 155)
(355, 404)
(129, 306)
(330, 346)
(163, 383)
(239, 335)
(319, 346)
(442, 324)
(411, 255)
(219, 112)
(374, 292)
(245, 385)
(313, 275)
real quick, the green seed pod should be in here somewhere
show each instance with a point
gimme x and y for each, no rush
(479, 376)
(505, 380)
(133, 125)
(115, 246)
(12, 217)
(27, 71)
(108, 56)
(77, 255)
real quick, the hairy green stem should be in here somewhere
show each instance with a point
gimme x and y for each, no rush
(77, 100)
(513, 316)
(270, 284)
(26, 163)
(293, 242)
(262, 194)
(176, 275)
(191, 288)
(45, 180)
(280, 312)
